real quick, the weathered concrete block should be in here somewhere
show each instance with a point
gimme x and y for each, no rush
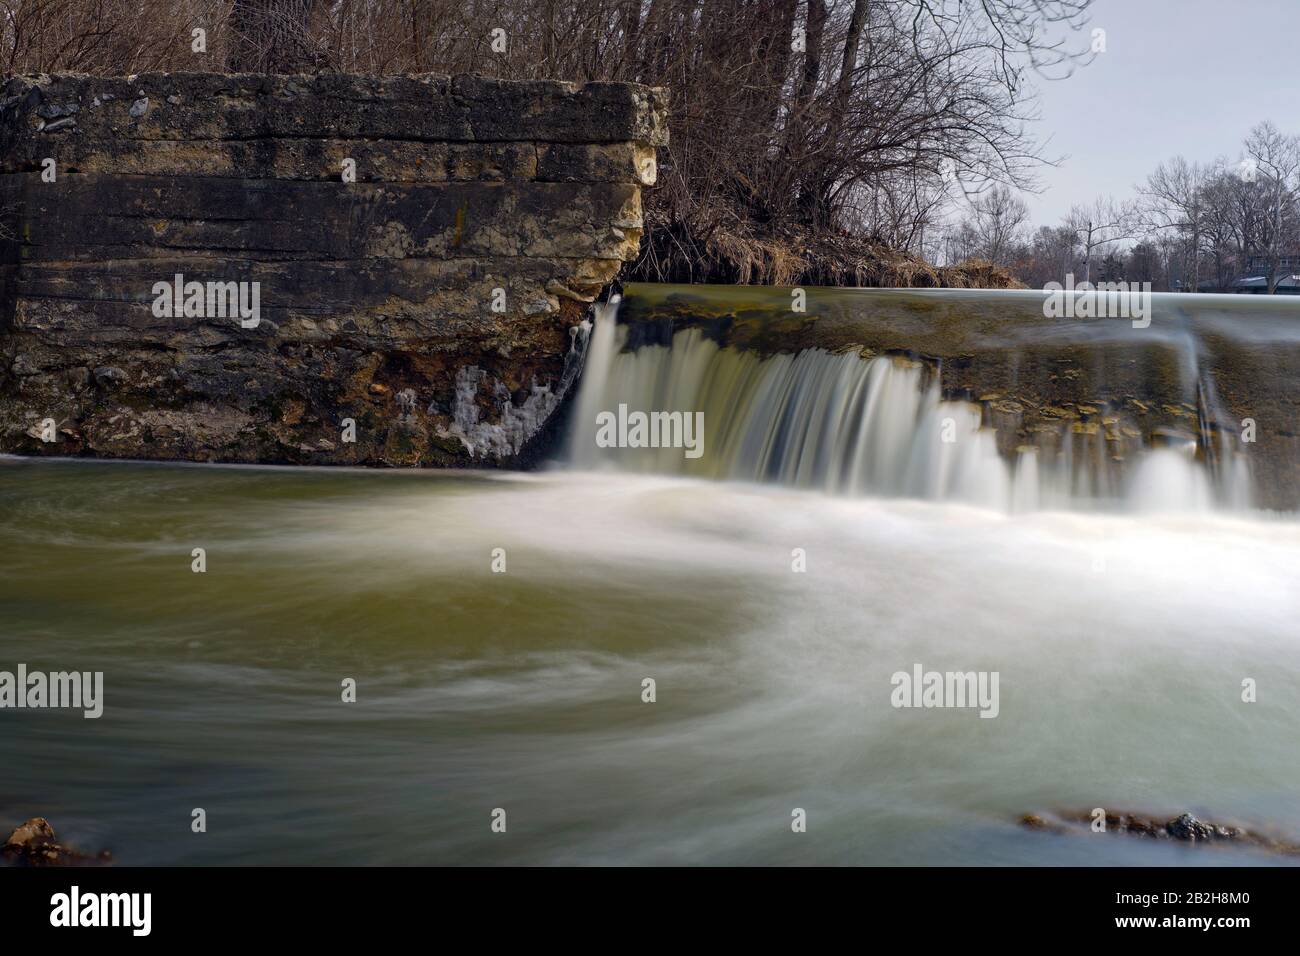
(417, 250)
(162, 215)
(189, 107)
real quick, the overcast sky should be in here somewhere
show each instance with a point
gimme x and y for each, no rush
(1178, 76)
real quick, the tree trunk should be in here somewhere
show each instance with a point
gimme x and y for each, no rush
(815, 199)
(1196, 257)
(812, 57)
(852, 42)
(779, 57)
(631, 36)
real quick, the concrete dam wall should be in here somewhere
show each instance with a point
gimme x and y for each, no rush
(319, 270)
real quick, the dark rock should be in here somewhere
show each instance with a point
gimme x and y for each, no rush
(1185, 828)
(34, 843)
(51, 111)
(34, 831)
(109, 376)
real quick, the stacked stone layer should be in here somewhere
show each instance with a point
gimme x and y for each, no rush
(429, 302)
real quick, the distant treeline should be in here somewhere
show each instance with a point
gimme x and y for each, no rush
(1191, 225)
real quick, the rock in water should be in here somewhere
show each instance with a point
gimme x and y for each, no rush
(34, 843)
(35, 830)
(1185, 828)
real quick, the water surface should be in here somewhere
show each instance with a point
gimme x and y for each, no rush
(1121, 641)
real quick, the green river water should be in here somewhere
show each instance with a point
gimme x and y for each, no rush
(1121, 641)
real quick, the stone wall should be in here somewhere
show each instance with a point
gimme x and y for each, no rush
(418, 312)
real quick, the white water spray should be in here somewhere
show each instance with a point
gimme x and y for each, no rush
(846, 425)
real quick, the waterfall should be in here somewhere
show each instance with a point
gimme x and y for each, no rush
(846, 424)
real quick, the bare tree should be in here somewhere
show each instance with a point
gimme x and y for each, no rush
(1099, 226)
(998, 217)
(102, 36)
(1049, 256)
(1275, 164)
(1174, 198)
(901, 210)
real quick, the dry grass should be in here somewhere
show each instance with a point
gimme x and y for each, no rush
(732, 253)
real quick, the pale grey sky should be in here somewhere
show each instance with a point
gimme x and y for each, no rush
(1178, 76)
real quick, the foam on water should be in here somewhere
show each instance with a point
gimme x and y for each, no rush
(1121, 640)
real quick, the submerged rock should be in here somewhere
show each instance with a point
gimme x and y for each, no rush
(35, 843)
(1184, 828)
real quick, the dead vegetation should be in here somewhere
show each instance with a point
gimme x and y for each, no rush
(733, 254)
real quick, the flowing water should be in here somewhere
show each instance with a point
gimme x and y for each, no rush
(842, 424)
(1122, 621)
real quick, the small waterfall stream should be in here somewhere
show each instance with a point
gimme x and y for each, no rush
(849, 425)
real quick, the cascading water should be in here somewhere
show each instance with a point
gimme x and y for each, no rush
(852, 425)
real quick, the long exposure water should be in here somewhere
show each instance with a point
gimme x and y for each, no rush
(1122, 641)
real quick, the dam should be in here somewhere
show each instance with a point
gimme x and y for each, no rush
(989, 397)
